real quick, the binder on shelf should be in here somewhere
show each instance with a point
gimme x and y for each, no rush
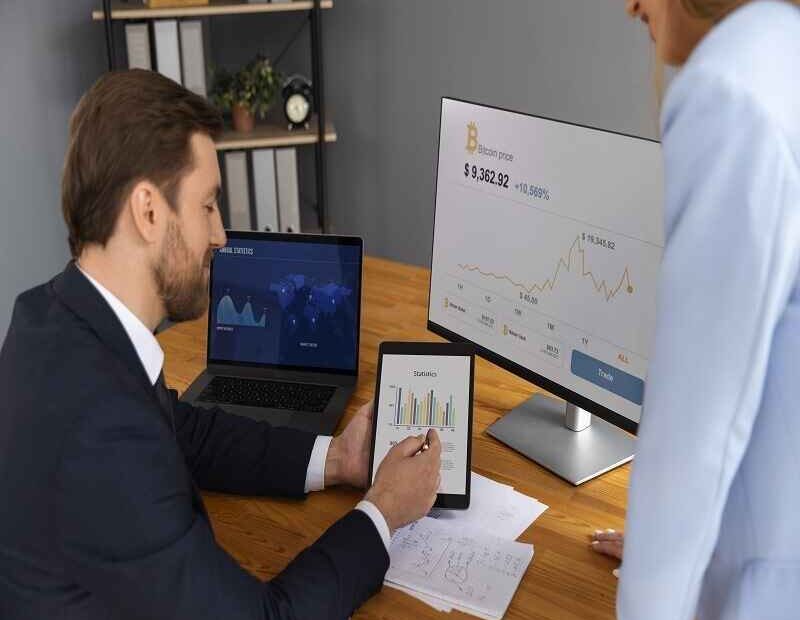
(169, 4)
(193, 56)
(266, 193)
(238, 191)
(288, 191)
(137, 41)
(168, 55)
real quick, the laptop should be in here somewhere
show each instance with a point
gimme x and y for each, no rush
(283, 329)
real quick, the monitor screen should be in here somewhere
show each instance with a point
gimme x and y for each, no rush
(547, 244)
(286, 303)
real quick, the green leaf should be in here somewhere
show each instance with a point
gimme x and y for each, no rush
(255, 85)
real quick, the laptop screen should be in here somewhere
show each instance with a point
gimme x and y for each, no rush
(289, 301)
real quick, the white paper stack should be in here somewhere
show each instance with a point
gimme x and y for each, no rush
(193, 56)
(137, 42)
(168, 56)
(265, 189)
(288, 190)
(466, 559)
(464, 568)
(238, 190)
(494, 507)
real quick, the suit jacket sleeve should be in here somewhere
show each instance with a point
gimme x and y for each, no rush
(234, 454)
(128, 533)
(729, 265)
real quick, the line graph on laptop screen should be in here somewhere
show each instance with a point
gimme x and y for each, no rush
(285, 303)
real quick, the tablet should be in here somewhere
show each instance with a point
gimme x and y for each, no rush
(423, 385)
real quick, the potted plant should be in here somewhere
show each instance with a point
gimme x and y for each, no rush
(246, 93)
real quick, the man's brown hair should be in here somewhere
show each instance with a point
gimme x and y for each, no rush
(129, 126)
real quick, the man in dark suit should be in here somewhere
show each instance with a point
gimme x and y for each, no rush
(101, 517)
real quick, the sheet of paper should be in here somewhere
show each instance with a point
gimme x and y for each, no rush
(497, 506)
(437, 603)
(468, 568)
(494, 482)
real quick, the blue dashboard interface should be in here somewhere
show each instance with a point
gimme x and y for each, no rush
(285, 304)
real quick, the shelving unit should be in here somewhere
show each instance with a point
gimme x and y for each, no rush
(216, 7)
(265, 135)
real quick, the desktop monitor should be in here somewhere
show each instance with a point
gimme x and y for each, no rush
(547, 245)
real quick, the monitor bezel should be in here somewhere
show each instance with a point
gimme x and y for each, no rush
(347, 240)
(541, 381)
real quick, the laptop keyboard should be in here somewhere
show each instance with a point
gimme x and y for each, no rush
(269, 394)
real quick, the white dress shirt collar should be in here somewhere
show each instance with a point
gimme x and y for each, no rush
(143, 340)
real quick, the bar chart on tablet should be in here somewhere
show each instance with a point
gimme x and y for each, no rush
(428, 409)
(422, 392)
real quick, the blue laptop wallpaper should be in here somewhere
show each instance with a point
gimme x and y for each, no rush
(285, 304)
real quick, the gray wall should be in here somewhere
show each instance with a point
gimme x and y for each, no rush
(387, 64)
(389, 61)
(48, 56)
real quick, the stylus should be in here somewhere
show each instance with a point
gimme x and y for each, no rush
(425, 446)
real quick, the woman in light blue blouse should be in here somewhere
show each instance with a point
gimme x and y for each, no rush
(713, 525)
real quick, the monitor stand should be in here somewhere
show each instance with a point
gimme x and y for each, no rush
(564, 439)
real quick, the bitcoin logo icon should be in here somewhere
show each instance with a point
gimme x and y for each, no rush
(472, 138)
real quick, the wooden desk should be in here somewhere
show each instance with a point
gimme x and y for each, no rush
(566, 580)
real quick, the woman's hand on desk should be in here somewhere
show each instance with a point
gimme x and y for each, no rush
(348, 455)
(608, 542)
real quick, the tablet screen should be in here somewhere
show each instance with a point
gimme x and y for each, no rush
(418, 392)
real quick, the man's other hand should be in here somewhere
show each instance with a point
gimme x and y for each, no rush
(348, 454)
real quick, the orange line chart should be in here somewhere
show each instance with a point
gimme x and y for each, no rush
(549, 284)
